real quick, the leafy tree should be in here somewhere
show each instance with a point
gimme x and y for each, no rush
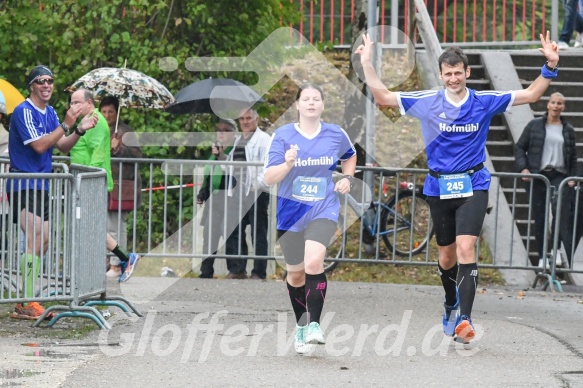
(73, 37)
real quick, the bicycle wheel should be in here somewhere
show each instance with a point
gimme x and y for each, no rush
(408, 231)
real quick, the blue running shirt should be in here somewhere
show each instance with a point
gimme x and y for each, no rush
(317, 158)
(29, 123)
(455, 133)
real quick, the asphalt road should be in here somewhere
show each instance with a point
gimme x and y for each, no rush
(217, 333)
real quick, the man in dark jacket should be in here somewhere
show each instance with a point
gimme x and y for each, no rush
(547, 147)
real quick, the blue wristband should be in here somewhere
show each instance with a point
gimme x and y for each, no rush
(547, 73)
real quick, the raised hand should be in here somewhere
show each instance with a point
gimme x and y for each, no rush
(291, 156)
(72, 115)
(365, 49)
(379, 90)
(88, 122)
(550, 49)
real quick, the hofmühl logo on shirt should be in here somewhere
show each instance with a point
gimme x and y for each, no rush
(321, 161)
(459, 128)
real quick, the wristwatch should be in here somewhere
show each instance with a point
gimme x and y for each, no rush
(549, 68)
(78, 132)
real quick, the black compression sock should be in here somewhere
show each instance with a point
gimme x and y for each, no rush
(316, 286)
(120, 253)
(449, 281)
(297, 295)
(467, 285)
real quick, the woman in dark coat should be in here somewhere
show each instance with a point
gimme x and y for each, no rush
(547, 147)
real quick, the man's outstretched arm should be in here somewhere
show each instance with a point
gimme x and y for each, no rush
(382, 95)
(536, 89)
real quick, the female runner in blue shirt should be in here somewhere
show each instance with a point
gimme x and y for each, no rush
(302, 157)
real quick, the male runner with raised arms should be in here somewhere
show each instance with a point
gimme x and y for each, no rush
(455, 123)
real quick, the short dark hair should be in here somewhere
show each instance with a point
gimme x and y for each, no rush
(310, 85)
(109, 100)
(453, 56)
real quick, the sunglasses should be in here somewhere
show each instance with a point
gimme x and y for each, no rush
(42, 81)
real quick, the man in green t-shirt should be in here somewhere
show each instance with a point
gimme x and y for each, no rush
(93, 149)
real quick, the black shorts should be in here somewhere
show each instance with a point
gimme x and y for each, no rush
(37, 202)
(458, 216)
(293, 244)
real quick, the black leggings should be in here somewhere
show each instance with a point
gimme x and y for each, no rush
(458, 216)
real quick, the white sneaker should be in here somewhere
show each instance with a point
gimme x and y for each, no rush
(563, 46)
(300, 344)
(315, 334)
(578, 40)
(558, 259)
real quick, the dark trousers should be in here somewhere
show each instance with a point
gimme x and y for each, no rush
(213, 221)
(539, 201)
(254, 214)
(572, 21)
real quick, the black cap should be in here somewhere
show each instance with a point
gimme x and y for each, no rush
(38, 71)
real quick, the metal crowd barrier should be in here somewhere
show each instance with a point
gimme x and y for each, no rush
(500, 231)
(169, 214)
(71, 266)
(167, 224)
(572, 268)
(509, 230)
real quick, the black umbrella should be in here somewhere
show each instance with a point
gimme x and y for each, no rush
(214, 95)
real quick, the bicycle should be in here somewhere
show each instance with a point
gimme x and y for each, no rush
(404, 222)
